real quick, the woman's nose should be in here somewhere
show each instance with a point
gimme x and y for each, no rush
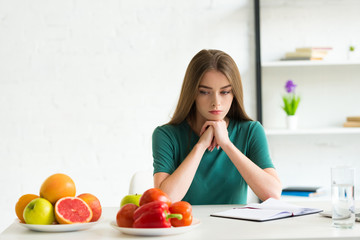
(216, 101)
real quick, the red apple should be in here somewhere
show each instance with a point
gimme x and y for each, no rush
(124, 217)
(94, 204)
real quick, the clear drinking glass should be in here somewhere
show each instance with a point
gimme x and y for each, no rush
(342, 196)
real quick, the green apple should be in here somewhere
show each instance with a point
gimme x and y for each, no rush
(39, 211)
(132, 198)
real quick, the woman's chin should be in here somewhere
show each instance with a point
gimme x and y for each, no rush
(214, 118)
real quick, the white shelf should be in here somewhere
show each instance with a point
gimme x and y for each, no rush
(319, 131)
(307, 63)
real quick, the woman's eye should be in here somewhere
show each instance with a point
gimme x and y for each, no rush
(225, 92)
(203, 92)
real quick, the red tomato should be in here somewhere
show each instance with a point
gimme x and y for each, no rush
(154, 194)
(124, 217)
(183, 208)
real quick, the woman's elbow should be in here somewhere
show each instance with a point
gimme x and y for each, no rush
(276, 195)
(270, 195)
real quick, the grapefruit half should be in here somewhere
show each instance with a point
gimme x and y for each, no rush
(70, 210)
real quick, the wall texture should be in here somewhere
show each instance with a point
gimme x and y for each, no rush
(84, 83)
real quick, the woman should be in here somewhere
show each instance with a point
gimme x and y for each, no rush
(211, 150)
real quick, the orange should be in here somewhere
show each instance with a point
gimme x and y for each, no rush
(94, 204)
(57, 186)
(70, 210)
(21, 204)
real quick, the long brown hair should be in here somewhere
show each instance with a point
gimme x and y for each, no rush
(202, 62)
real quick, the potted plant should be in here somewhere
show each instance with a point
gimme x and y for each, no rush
(351, 52)
(291, 102)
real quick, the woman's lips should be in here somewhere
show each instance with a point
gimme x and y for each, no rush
(215, 112)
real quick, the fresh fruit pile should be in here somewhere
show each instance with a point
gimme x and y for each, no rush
(153, 209)
(57, 203)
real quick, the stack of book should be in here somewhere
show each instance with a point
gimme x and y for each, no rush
(307, 53)
(298, 191)
(353, 121)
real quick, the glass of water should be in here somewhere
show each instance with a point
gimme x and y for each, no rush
(342, 196)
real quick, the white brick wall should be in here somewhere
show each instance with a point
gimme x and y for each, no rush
(84, 83)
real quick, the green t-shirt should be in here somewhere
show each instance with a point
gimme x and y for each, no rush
(217, 181)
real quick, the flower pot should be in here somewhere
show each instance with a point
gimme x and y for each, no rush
(291, 122)
(351, 55)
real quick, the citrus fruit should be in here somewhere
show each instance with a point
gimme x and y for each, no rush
(21, 204)
(94, 204)
(72, 210)
(57, 186)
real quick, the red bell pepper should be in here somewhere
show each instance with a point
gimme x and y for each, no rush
(185, 209)
(154, 215)
(147, 207)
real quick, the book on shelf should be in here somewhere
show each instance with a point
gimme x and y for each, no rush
(301, 59)
(270, 209)
(298, 194)
(307, 53)
(303, 191)
(353, 119)
(351, 124)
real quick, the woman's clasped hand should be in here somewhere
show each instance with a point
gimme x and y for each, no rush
(217, 132)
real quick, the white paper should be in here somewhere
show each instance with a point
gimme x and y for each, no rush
(268, 210)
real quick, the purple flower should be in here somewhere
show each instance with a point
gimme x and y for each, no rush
(290, 86)
(291, 101)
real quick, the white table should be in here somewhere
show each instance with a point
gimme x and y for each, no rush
(304, 227)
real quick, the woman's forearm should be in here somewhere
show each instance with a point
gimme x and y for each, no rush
(178, 183)
(264, 182)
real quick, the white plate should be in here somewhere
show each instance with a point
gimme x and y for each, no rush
(156, 231)
(58, 227)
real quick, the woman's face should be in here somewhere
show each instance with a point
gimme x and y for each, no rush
(214, 97)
